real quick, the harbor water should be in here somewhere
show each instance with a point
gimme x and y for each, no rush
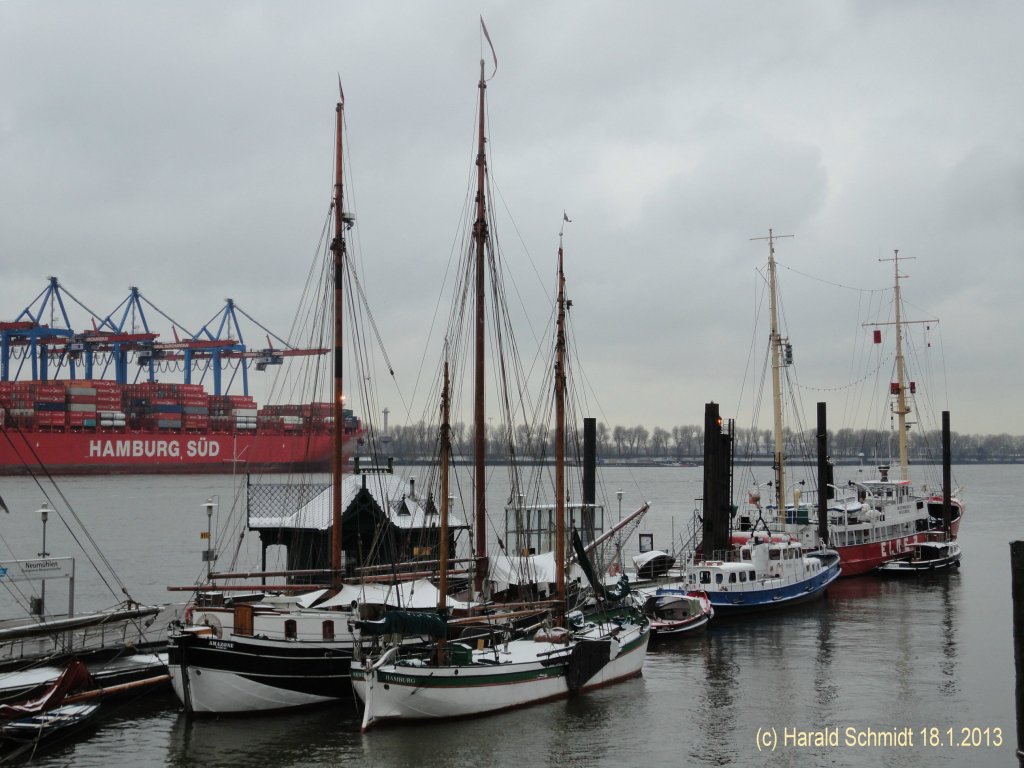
(913, 672)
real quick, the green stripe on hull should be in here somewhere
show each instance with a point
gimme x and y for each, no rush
(470, 681)
(498, 677)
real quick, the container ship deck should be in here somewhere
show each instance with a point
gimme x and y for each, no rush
(102, 427)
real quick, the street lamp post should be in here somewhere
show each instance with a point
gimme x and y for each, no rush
(208, 554)
(44, 514)
(619, 494)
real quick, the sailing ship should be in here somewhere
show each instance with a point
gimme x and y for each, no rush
(284, 645)
(451, 679)
(869, 521)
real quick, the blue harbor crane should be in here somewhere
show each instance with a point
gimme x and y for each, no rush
(125, 334)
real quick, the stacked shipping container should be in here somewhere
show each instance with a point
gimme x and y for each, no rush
(106, 406)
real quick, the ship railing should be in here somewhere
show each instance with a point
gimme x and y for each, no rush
(721, 556)
(689, 539)
(134, 629)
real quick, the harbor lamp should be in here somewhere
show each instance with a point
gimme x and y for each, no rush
(44, 515)
(208, 554)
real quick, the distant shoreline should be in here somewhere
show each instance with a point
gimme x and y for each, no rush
(766, 462)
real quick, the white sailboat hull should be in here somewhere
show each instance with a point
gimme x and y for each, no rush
(527, 672)
(239, 674)
(215, 692)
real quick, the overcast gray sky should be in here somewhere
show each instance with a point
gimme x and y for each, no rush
(186, 148)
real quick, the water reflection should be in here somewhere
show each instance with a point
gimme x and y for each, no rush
(291, 738)
(875, 652)
(826, 689)
(950, 625)
(716, 710)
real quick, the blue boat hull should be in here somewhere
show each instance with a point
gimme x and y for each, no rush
(733, 603)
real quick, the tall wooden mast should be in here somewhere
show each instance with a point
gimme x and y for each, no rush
(900, 385)
(776, 343)
(560, 435)
(446, 448)
(902, 408)
(480, 236)
(342, 222)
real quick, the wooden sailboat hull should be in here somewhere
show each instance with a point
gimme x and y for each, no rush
(213, 676)
(526, 672)
(34, 728)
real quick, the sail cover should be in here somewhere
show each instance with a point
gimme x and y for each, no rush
(416, 595)
(74, 676)
(506, 570)
(405, 623)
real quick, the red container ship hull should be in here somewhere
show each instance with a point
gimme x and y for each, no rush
(90, 453)
(100, 427)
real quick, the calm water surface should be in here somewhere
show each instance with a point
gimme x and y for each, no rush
(873, 655)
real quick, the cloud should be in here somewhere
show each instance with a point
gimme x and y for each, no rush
(187, 149)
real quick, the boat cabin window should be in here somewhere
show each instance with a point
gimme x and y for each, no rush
(751, 575)
(289, 629)
(745, 553)
(773, 554)
(719, 578)
(743, 575)
(732, 578)
(705, 577)
(328, 630)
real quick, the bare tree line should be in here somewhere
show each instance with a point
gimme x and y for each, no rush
(686, 443)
